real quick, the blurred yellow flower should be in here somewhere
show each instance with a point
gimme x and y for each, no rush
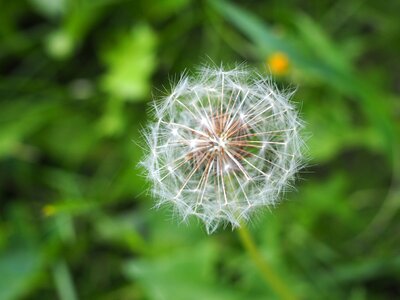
(49, 210)
(278, 62)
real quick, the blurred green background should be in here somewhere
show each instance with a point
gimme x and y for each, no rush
(76, 80)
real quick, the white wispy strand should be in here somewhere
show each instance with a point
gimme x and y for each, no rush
(224, 143)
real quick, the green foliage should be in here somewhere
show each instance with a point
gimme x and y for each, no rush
(130, 63)
(193, 275)
(76, 78)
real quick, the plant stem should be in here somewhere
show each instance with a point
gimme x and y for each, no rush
(270, 277)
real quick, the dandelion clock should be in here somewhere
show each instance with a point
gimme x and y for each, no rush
(223, 144)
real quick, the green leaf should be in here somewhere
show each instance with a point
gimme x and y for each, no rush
(78, 18)
(52, 8)
(120, 230)
(18, 270)
(130, 63)
(165, 8)
(320, 45)
(183, 274)
(18, 120)
(63, 281)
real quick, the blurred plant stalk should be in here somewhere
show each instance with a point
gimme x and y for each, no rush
(267, 272)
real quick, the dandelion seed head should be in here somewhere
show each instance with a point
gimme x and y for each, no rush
(225, 142)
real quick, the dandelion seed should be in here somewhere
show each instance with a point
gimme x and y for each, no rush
(227, 143)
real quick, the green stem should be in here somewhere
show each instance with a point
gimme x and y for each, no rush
(270, 277)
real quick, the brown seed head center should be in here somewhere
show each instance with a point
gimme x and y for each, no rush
(224, 143)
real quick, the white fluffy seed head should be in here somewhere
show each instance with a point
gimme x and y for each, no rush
(224, 143)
